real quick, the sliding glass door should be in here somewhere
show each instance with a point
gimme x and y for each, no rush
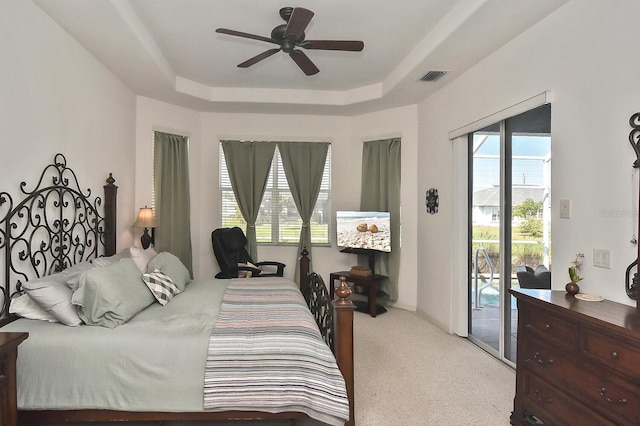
(509, 221)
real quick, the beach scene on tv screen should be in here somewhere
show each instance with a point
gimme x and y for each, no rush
(364, 230)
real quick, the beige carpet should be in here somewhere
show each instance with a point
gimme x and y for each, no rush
(410, 372)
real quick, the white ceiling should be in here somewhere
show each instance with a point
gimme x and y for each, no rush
(169, 50)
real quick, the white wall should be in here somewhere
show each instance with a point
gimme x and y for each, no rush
(57, 98)
(585, 53)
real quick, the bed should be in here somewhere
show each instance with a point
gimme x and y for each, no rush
(174, 349)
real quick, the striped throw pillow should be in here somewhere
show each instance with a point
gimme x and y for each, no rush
(161, 286)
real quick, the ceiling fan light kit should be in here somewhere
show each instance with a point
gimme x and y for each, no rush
(290, 37)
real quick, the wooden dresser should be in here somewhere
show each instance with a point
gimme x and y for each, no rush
(578, 362)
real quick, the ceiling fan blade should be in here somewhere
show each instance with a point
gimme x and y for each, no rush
(298, 21)
(258, 58)
(245, 35)
(348, 45)
(304, 62)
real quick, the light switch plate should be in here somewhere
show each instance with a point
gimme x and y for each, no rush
(602, 258)
(565, 209)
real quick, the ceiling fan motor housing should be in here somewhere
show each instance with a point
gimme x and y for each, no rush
(287, 43)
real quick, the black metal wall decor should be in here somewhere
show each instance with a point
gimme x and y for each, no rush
(631, 284)
(634, 137)
(432, 200)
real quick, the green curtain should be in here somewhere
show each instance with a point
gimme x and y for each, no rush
(303, 164)
(249, 164)
(381, 192)
(171, 191)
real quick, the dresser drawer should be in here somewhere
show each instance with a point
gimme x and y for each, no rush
(611, 352)
(582, 379)
(557, 362)
(554, 406)
(551, 327)
(617, 397)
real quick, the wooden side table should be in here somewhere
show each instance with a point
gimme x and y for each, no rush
(370, 282)
(8, 395)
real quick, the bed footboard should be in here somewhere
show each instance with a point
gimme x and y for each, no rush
(334, 319)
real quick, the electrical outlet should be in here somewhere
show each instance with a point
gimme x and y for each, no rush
(601, 258)
(565, 209)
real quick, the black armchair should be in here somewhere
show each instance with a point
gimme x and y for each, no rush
(229, 247)
(539, 279)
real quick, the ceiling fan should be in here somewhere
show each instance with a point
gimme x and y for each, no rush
(290, 36)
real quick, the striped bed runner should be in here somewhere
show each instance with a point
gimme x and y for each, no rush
(266, 354)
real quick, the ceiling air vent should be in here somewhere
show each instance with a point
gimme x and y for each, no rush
(432, 75)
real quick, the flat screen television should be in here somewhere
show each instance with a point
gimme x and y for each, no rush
(360, 231)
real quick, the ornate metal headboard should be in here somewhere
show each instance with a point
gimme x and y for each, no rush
(52, 226)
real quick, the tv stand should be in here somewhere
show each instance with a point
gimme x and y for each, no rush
(370, 282)
(371, 254)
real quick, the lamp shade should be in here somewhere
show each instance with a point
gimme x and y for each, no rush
(146, 218)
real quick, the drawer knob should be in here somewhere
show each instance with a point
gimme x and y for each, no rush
(603, 393)
(547, 326)
(614, 355)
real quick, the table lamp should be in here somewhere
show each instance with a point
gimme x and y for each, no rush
(146, 219)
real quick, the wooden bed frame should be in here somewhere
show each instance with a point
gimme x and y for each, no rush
(57, 225)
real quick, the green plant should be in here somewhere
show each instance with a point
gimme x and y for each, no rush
(532, 226)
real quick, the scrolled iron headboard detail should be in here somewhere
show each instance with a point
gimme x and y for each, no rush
(53, 226)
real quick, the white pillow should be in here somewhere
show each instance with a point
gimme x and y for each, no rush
(142, 257)
(54, 296)
(24, 306)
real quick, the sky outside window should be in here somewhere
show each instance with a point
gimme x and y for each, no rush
(525, 171)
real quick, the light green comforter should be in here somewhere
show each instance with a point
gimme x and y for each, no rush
(158, 357)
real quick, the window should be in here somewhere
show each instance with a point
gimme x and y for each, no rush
(278, 221)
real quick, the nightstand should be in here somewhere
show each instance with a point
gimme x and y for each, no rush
(8, 396)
